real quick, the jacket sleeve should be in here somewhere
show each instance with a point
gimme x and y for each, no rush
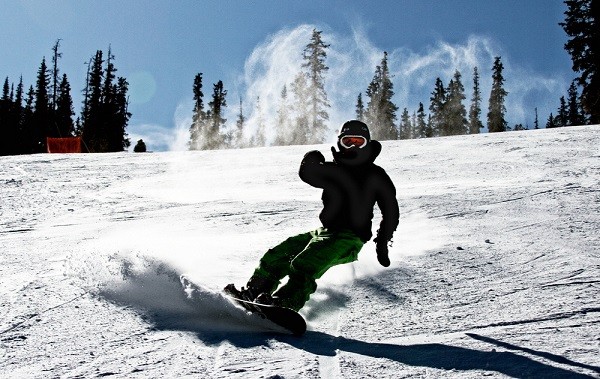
(388, 204)
(318, 173)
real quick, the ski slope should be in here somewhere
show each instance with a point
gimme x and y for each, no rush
(495, 265)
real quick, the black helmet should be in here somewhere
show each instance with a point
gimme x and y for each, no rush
(354, 133)
(355, 145)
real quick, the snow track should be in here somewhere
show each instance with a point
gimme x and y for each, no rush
(495, 264)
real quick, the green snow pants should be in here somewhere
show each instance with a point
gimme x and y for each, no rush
(304, 259)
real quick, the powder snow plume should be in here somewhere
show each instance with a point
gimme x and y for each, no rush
(352, 59)
(168, 299)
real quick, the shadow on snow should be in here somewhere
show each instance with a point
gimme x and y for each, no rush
(170, 301)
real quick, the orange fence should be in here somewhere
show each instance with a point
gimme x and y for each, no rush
(64, 145)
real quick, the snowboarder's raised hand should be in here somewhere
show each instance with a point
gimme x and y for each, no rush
(381, 248)
(312, 157)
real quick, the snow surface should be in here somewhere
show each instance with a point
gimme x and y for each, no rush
(495, 265)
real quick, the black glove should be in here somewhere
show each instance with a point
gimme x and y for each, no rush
(381, 248)
(313, 156)
(342, 156)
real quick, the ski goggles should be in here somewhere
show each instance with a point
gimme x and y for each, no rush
(353, 141)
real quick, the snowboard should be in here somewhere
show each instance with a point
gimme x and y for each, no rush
(284, 317)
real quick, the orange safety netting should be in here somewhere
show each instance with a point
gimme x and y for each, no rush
(63, 145)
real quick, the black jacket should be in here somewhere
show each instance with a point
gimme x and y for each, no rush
(352, 184)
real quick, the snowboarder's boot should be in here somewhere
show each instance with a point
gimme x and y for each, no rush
(257, 285)
(243, 293)
(267, 299)
(254, 287)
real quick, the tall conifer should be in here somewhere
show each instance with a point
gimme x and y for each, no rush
(64, 109)
(475, 124)
(561, 118)
(41, 113)
(582, 26)
(198, 114)
(437, 109)
(301, 107)
(381, 111)
(360, 108)
(314, 62)
(283, 130)
(497, 109)
(455, 112)
(575, 115)
(406, 128)
(421, 123)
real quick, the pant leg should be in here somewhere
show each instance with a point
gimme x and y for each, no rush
(276, 263)
(325, 250)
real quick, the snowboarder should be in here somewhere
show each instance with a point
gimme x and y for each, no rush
(352, 184)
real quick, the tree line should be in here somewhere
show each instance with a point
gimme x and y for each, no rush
(581, 26)
(302, 111)
(301, 114)
(28, 117)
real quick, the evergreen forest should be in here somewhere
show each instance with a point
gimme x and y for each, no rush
(303, 108)
(29, 116)
(45, 109)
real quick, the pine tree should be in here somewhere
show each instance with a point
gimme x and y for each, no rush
(283, 130)
(259, 138)
(28, 143)
(301, 110)
(456, 121)
(475, 124)
(561, 116)
(581, 25)
(19, 98)
(91, 129)
(41, 113)
(421, 124)
(119, 140)
(314, 63)
(105, 113)
(575, 114)
(85, 110)
(429, 128)
(406, 127)
(550, 123)
(6, 90)
(240, 123)
(414, 131)
(16, 120)
(437, 109)
(212, 132)
(373, 112)
(5, 125)
(381, 111)
(217, 104)
(198, 115)
(108, 109)
(360, 108)
(497, 109)
(55, 76)
(11, 110)
(64, 109)
(536, 124)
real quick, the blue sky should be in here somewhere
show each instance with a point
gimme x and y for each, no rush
(254, 46)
